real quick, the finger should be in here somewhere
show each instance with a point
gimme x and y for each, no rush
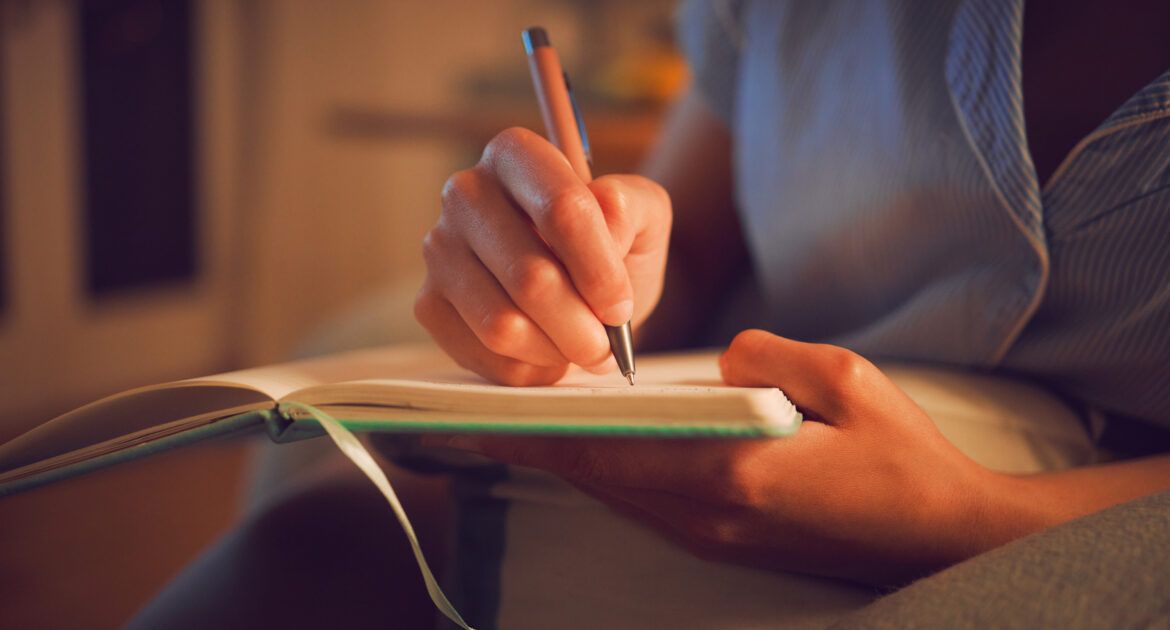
(503, 238)
(669, 504)
(822, 379)
(484, 306)
(449, 330)
(568, 217)
(667, 513)
(637, 211)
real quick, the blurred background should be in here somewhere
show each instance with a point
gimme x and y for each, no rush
(194, 186)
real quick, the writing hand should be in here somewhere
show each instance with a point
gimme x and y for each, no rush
(527, 262)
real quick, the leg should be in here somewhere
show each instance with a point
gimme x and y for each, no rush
(327, 553)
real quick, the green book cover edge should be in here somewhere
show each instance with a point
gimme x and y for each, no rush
(280, 426)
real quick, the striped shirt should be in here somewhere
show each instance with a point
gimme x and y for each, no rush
(891, 205)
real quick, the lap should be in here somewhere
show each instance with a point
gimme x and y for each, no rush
(558, 541)
(535, 553)
(322, 551)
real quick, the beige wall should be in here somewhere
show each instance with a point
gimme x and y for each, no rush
(57, 348)
(336, 217)
(298, 222)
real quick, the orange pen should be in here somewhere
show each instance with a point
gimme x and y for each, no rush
(566, 130)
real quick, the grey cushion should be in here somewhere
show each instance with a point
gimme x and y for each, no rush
(1107, 570)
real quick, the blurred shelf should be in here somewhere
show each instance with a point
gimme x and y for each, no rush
(619, 137)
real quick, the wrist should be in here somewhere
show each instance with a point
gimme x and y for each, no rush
(1000, 508)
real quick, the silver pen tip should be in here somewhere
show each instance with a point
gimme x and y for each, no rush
(630, 378)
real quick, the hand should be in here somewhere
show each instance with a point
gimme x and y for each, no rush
(867, 489)
(527, 262)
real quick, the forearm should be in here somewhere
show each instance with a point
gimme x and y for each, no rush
(692, 161)
(680, 313)
(1012, 506)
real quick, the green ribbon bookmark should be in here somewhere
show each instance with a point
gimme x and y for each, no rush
(348, 443)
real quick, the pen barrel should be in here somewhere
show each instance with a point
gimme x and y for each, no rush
(557, 109)
(561, 123)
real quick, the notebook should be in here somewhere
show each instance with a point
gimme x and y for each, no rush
(400, 389)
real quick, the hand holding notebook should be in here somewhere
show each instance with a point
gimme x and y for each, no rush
(868, 489)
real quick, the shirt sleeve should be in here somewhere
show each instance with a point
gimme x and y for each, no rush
(710, 34)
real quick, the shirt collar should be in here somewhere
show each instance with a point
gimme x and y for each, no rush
(983, 74)
(1152, 101)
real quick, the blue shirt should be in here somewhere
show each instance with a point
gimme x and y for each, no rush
(890, 205)
(890, 202)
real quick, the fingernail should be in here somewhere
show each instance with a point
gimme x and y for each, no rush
(618, 314)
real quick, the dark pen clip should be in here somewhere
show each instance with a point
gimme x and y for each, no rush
(580, 121)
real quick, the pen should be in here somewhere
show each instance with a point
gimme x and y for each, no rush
(566, 130)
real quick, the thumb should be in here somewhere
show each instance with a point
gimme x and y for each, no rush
(823, 380)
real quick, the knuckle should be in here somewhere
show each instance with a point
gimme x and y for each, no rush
(713, 536)
(610, 193)
(432, 245)
(848, 369)
(503, 332)
(438, 246)
(459, 189)
(747, 342)
(510, 140)
(566, 212)
(534, 280)
(426, 305)
(724, 531)
(615, 205)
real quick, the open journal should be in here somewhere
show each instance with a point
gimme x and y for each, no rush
(403, 389)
